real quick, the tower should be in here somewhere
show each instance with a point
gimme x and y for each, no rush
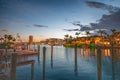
(30, 39)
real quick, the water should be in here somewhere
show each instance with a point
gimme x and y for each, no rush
(65, 64)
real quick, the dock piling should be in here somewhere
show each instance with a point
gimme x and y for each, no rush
(99, 64)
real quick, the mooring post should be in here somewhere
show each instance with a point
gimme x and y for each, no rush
(44, 62)
(32, 71)
(38, 52)
(13, 66)
(75, 59)
(51, 56)
(113, 60)
(99, 64)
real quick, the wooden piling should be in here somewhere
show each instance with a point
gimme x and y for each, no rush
(113, 60)
(38, 52)
(13, 66)
(75, 59)
(44, 62)
(32, 71)
(51, 56)
(99, 64)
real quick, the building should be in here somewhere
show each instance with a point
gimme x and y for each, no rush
(30, 39)
(53, 41)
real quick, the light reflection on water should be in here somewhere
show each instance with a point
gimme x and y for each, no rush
(65, 64)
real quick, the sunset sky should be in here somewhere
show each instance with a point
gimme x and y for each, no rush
(48, 18)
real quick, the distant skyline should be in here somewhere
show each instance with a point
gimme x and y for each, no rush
(48, 18)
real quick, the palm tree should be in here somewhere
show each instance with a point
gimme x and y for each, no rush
(66, 37)
(113, 30)
(101, 32)
(87, 33)
(77, 34)
(9, 37)
(13, 39)
(70, 37)
(5, 36)
(1, 39)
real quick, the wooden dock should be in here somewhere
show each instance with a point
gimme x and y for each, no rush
(4, 76)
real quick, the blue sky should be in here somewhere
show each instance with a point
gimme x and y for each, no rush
(51, 16)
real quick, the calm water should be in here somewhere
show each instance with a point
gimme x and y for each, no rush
(65, 64)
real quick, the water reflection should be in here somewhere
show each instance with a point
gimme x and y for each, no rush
(52, 57)
(75, 60)
(113, 58)
(44, 62)
(104, 63)
(99, 64)
(13, 66)
(86, 52)
(27, 61)
(38, 46)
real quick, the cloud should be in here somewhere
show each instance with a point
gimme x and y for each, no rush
(82, 28)
(71, 29)
(4, 30)
(77, 23)
(27, 25)
(86, 28)
(103, 6)
(107, 21)
(38, 25)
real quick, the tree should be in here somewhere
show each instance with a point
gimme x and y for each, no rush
(7, 41)
(66, 36)
(10, 38)
(77, 34)
(87, 33)
(113, 30)
(101, 32)
(1, 39)
(70, 37)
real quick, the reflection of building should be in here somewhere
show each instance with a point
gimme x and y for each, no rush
(30, 39)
